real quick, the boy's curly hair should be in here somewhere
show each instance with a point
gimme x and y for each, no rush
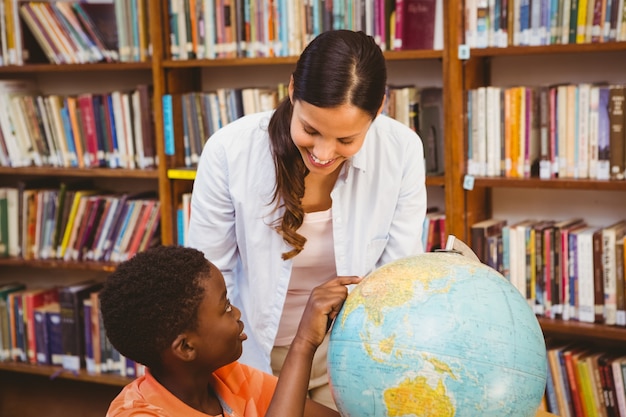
(152, 298)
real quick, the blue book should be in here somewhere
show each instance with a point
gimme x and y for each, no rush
(48, 334)
(114, 160)
(168, 125)
(550, 392)
(180, 227)
(90, 363)
(69, 135)
(55, 335)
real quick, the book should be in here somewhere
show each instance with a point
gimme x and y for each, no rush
(431, 128)
(48, 334)
(32, 299)
(610, 235)
(562, 396)
(480, 232)
(71, 298)
(617, 136)
(6, 342)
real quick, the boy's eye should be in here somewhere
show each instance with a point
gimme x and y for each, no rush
(229, 306)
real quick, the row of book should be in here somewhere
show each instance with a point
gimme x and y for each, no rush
(566, 269)
(72, 223)
(59, 326)
(195, 116)
(242, 28)
(421, 109)
(75, 32)
(434, 233)
(584, 381)
(564, 131)
(113, 130)
(503, 23)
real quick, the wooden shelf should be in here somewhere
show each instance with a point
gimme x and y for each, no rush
(549, 49)
(263, 61)
(575, 330)
(80, 172)
(435, 180)
(565, 183)
(59, 264)
(58, 372)
(47, 68)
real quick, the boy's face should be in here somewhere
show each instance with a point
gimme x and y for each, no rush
(219, 336)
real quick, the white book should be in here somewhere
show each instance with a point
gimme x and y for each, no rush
(53, 104)
(493, 136)
(594, 125)
(584, 258)
(610, 234)
(140, 157)
(582, 161)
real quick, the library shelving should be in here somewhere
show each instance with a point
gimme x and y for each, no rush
(38, 388)
(600, 202)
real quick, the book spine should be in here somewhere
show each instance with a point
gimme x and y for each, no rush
(168, 125)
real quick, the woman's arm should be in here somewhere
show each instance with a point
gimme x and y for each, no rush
(291, 390)
(212, 221)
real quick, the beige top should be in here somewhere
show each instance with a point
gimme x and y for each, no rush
(312, 267)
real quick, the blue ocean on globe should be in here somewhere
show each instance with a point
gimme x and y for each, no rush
(437, 335)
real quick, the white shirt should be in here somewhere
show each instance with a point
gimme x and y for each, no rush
(378, 207)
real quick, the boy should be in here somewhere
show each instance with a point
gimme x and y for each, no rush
(167, 308)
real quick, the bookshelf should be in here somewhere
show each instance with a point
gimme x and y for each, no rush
(462, 207)
(599, 202)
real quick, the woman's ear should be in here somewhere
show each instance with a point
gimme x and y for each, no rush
(182, 349)
(382, 106)
(290, 89)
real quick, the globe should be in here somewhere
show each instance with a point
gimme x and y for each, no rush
(436, 335)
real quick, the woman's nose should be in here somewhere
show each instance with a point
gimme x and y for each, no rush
(324, 149)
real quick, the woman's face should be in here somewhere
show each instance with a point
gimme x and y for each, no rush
(326, 137)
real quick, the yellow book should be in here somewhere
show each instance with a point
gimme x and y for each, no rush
(586, 386)
(71, 220)
(581, 23)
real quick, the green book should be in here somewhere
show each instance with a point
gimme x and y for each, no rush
(5, 334)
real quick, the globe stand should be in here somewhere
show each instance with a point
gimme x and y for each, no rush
(455, 245)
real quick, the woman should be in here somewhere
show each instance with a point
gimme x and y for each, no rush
(323, 186)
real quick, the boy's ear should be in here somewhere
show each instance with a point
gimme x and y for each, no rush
(182, 349)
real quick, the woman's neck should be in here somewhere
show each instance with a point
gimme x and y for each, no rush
(317, 189)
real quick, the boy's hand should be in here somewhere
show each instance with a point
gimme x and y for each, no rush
(323, 306)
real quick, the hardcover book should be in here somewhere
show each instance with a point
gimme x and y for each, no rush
(71, 300)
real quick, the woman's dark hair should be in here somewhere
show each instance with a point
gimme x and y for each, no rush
(338, 67)
(152, 298)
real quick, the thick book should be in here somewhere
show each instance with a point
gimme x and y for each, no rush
(5, 317)
(71, 300)
(610, 235)
(616, 132)
(48, 334)
(480, 232)
(431, 128)
(31, 300)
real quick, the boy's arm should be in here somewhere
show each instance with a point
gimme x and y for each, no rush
(291, 390)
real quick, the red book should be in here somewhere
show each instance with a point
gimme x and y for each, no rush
(87, 117)
(32, 299)
(574, 386)
(418, 24)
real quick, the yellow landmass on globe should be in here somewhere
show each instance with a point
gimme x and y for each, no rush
(416, 397)
(392, 286)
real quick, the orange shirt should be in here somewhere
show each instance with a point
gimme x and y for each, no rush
(243, 391)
